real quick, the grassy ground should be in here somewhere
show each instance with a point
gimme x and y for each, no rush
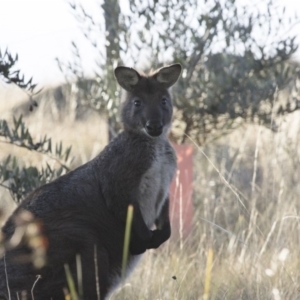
(245, 241)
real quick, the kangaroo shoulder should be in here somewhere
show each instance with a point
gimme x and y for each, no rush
(127, 152)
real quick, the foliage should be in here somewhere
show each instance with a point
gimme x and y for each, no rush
(20, 180)
(10, 76)
(235, 57)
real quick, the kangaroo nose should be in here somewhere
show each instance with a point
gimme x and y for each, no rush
(154, 128)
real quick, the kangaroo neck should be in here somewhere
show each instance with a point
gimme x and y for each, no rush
(145, 138)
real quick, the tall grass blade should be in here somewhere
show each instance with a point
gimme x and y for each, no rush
(79, 276)
(127, 240)
(71, 283)
(209, 263)
(96, 272)
(180, 218)
(6, 278)
(38, 277)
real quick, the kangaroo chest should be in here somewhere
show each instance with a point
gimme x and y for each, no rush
(155, 183)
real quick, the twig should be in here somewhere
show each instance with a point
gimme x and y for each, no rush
(40, 152)
(6, 277)
(5, 186)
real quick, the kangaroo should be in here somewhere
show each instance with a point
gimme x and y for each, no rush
(84, 212)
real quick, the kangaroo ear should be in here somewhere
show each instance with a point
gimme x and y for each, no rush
(168, 75)
(127, 77)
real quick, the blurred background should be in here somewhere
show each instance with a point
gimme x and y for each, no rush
(235, 128)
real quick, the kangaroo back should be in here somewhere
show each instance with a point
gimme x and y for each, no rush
(84, 212)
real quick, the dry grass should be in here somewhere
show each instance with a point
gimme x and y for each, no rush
(86, 138)
(247, 214)
(246, 196)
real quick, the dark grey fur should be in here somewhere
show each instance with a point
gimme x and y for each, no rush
(86, 209)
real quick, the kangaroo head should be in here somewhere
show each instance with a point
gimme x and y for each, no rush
(148, 105)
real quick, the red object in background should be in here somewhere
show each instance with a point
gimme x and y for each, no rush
(181, 204)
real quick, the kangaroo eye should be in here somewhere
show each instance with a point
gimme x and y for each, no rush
(164, 101)
(137, 102)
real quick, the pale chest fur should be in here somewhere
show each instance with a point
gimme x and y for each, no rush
(155, 183)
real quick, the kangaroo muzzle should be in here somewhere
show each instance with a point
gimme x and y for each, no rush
(154, 128)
